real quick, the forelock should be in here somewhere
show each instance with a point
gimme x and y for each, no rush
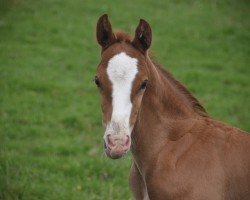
(123, 37)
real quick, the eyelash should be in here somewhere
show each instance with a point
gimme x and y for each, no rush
(144, 84)
(97, 82)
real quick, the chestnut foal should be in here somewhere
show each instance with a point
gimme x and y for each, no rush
(179, 152)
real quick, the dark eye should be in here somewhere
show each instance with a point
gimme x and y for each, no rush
(144, 84)
(97, 82)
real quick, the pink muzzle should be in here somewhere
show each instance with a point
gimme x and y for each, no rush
(116, 145)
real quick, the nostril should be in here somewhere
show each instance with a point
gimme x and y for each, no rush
(110, 142)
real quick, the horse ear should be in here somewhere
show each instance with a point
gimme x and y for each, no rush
(104, 33)
(143, 36)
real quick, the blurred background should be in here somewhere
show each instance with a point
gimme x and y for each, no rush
(51, 144)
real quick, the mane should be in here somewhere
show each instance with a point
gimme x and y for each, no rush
(196, 105)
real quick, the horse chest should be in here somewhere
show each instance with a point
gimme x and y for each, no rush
(189, 180)
(178, 187)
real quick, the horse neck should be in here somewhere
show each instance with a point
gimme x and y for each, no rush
(165, 97)
(163, 111)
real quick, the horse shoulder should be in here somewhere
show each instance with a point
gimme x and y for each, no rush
(200, 164)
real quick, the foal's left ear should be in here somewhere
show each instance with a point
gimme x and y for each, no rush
(143, 36)
(104, 33)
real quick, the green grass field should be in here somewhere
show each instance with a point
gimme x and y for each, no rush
(51, 144)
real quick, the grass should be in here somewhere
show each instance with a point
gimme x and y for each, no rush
(50, 131)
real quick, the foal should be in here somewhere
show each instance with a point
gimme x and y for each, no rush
(179, 152)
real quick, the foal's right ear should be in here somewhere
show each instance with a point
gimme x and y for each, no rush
(104, 33)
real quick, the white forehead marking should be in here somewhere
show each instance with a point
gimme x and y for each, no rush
(121, 71)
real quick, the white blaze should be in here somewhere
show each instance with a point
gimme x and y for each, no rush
(121, 71)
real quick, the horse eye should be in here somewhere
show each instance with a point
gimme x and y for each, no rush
(97, 82)
(144, 84)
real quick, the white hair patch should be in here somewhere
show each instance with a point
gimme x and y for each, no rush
(121, 71)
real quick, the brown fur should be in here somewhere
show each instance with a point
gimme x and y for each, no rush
(126, 38)
(179, 152)
(122, 36)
